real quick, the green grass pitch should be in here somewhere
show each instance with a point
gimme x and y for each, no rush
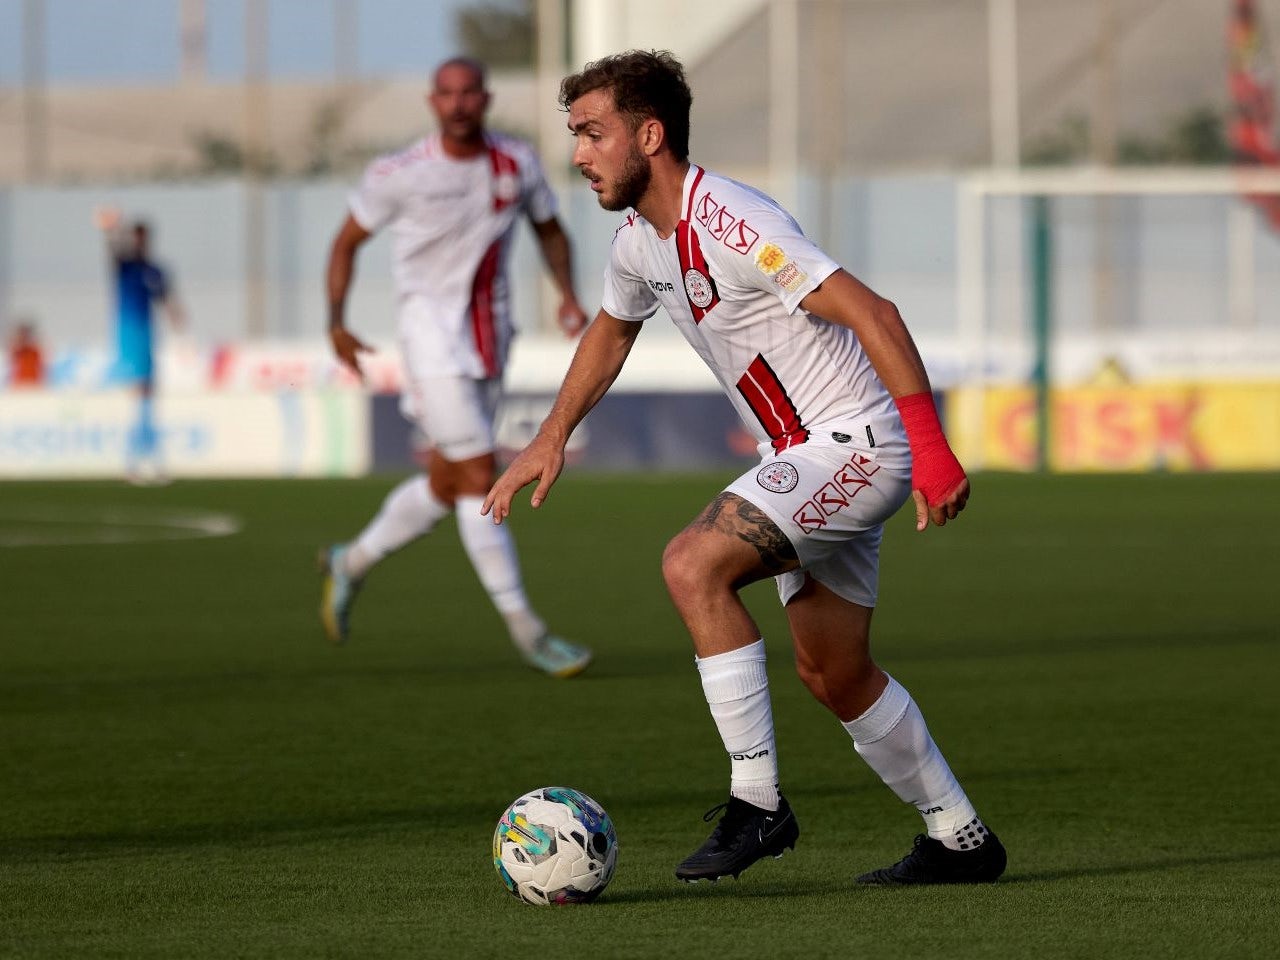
(187, 769)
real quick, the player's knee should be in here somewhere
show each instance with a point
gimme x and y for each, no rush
(685, 567)
(675, 565)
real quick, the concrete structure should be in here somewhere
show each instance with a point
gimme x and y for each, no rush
(864, 86)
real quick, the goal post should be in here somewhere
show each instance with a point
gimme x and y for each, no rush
(1103, 277)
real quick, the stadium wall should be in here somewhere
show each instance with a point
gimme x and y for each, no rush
(1167, 300)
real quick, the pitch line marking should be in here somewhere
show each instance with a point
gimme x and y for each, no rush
(49, 526)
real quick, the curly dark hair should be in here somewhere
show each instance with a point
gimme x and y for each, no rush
(644, 83)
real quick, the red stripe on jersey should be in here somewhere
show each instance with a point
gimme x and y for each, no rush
(699, 288)
(504, 167)
(693, 193)
(483, 325)
(768, 400)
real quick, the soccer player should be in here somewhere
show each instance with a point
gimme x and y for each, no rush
(139, 282)
(451, 202)
(826, 376)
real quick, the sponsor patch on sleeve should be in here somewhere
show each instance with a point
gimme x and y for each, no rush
(782, 269)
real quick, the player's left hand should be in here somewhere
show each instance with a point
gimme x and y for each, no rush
(571, 317)
(944, 509)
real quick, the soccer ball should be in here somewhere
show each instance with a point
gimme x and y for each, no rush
(555, 845)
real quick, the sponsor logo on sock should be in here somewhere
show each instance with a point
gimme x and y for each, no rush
(750, 756)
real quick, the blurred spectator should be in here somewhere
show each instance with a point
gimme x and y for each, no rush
(26, 358)
(139, 282)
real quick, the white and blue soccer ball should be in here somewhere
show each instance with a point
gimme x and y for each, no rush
(555, 845)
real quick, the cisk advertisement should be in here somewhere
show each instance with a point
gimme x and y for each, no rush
(1126, 427)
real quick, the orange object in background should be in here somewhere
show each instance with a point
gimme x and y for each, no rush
(26, 359)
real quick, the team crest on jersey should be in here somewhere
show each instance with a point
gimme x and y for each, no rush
(778, 477)
(699, 288)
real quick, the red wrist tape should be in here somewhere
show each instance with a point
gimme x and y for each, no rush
(935, 471)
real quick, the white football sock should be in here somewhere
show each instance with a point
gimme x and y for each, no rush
(894, 741)
(409, 511)
(737, 690)
(493, 555)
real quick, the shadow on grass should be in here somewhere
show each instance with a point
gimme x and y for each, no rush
(913, 651)
(801, 889)
(364, 824)
(722, 889)
(238, 835)
(1141, 866)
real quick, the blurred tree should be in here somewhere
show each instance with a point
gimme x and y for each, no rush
(499, 34)
(1200, 137)
(1195, 137)
(327, 150)
(219, 155)
(1069, 143)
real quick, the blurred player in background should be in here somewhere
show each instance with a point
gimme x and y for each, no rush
(451, 202)
(826, 376)
(139, 283)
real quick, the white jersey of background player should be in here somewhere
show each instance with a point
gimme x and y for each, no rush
(451, 202)
(826, 374)
(452, 222)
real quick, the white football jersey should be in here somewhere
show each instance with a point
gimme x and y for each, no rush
(731, 277)
(452, 223)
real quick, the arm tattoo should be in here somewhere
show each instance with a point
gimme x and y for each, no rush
(733, 516)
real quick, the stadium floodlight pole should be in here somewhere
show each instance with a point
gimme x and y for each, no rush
(551, 51)
(784, 110)
(193, 39)
(829, 136)
(346, 34)
(1002, 59)
(35, 116)
(255, 154)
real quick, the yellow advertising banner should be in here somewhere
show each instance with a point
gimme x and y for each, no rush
(1173, 426)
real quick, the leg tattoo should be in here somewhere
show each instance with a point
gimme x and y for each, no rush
(734, 517)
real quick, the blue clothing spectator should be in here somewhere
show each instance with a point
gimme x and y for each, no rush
(139, 283)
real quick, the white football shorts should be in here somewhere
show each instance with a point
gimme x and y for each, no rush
(455, 415)
(831, 501)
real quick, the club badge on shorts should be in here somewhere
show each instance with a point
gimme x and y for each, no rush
(698, 287)
(778, 477)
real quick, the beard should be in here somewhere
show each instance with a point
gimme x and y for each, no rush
(632, 183)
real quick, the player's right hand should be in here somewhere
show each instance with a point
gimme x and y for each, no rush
(541, 460)
(347, 347)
